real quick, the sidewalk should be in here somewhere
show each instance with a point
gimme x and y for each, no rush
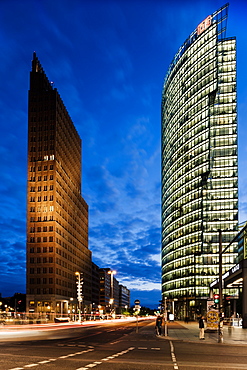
(178, 330)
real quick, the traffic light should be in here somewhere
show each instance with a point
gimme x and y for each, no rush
(216, 298)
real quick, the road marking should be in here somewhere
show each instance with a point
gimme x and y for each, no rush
(175, 365)
(55, 359)
(156, 349)
(142, 347)
(93, 364)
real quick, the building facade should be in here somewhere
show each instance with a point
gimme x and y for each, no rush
(124, 297)
(57, 214)
(199, 163)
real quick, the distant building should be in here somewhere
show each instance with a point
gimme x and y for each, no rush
(199, 164)
(57, 214)
(124, 297)
(95, 285)
(109, 289)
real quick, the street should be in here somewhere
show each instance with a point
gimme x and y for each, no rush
(116, 346)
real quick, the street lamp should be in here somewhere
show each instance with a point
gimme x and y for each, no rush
(111, 302)
(79, 292)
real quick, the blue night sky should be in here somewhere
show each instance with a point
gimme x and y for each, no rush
(108, 60)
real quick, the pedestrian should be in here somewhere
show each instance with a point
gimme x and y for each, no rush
(201, 328)
(158, 325)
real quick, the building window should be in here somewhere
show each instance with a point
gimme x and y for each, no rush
(50, 238)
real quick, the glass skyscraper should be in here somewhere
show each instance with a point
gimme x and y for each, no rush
(199, 163)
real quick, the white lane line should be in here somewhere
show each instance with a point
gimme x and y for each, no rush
(55, 359)
(93, 364)
(175, 365)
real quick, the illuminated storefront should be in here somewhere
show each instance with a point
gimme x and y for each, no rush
(199, 162)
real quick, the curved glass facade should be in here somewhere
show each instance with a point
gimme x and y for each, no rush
(199, 160)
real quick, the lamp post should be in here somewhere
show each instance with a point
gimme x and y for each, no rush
(79, 292)
(112, 273)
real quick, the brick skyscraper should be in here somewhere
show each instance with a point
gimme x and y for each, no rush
(57, 214)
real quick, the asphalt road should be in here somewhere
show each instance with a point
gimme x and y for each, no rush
(116, 346)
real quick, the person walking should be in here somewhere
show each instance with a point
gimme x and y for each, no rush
(201, 328)
(158, 325)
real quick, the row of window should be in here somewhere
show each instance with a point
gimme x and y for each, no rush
(41, 260)
(45, 178)
(49, 291)
(40, 219)
(39, 188)
(41, 281)
(45, 158)
(40, 148)
(40, 270)
(45, 239)
(42, 209)
(44, 250)
(39, 198)
(41, 128)
(40, 229)
(42, 291)
(41, 138)
(39, 168)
